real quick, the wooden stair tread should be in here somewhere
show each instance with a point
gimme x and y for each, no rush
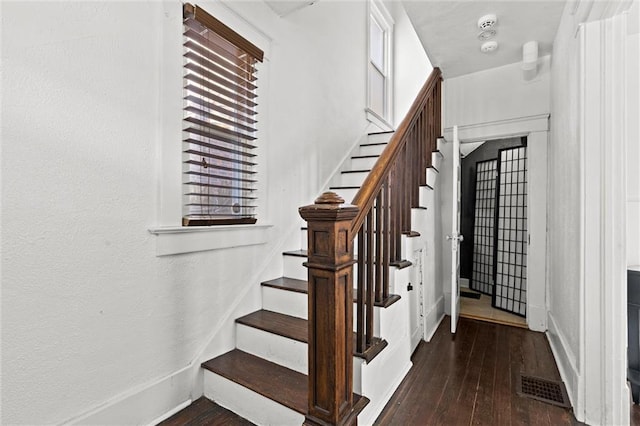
(381, 133)
(344, 187)
(289, 284)
(297, 253)
(277, 323)
(301, 286)
(298, 329)
(273, 381)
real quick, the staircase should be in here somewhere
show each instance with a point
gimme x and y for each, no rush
(265, 378)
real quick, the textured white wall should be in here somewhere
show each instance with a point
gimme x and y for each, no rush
(411, 64)
(89, 312)
(496, 94)
(564, 240)
(633, 145)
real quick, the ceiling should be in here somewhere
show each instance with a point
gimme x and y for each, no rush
(285, 7)
(448, 31)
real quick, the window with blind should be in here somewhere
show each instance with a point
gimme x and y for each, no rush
(219, 122)
(379, 72)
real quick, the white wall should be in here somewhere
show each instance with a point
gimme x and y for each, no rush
(411, 66)
(564, 239)
(633, 134)
(90, 316)
(496, 94)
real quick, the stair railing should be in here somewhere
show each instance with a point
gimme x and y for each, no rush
(379, 215)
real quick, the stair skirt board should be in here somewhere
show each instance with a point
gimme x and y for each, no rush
(248, 403)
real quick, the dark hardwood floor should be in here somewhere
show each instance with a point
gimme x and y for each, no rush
(470, 378)
(205, 413)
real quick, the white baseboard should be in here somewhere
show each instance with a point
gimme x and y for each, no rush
(566, 362)
(146, 404)
(537, 318)
(433, 318)
(464, 282)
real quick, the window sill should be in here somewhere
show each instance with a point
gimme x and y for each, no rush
(181, 239)
(374, 118)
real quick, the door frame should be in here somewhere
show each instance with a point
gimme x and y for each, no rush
(536, 129)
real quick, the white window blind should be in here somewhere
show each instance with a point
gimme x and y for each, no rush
(219, 123)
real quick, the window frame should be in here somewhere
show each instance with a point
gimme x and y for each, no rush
(166, 225)
(378, 13)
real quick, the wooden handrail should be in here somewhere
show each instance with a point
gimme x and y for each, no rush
(374, 180)
(378, 217)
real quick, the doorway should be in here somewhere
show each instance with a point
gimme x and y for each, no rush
(494, 224)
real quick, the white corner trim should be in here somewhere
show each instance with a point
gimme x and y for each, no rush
(566, 362)
(510, 127)
(171, 412)
(188, 239)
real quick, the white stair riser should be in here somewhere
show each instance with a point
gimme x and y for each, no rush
(432, 177)
(436, 159)
(293, 267)
(365, 163)
(379, 137)
(352, 179)
(440, 143)
(371, 149)
(272, 347)
(247, 403)
(285, 302)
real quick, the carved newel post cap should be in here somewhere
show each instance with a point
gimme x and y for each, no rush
(328, 207)
(329, 198)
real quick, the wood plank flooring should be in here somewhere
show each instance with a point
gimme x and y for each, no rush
(470, 379)
(203, 412)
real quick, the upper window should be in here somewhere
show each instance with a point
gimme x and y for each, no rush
(219, 122)
(379, 78)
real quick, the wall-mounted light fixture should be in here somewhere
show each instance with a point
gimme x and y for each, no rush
(530, 60)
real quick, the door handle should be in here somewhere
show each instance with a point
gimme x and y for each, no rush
(459, 237)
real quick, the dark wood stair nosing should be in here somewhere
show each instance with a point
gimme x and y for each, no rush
(355, 171)
(365, 156)
(381, 133)
(296, 253)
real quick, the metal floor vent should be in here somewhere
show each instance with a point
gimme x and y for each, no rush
(549, 391)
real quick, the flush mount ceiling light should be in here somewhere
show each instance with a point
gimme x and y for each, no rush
(489, 46)
(486, 35)
(487, 22)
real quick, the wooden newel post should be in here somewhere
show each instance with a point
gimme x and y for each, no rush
(330, 275)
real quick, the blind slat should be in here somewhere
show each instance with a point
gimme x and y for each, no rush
(231, 62)
(217, 157)
(240, 101)
(217, 137)
(211, 65)
(211, 106)
(212, 126)
(219, 148)
(224, 86)
(235, 108)
(215, 117)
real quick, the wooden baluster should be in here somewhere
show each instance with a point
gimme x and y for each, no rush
(369, 278)
(379, 240)
(415, 173)
(438, 111)
(423, 146)
(386, 245)
(330, 304)
(431, 130)
(406, 204)
(360, 295)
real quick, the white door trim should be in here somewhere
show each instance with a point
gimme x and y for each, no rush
(603, 396)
